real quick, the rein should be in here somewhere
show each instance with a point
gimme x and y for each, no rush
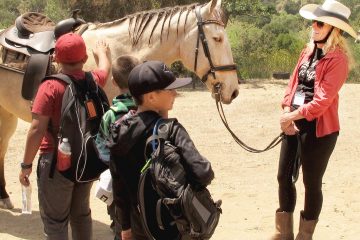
(217, 87)
(202, 38)
(220, 109)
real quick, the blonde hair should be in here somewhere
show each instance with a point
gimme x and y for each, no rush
(336, 40)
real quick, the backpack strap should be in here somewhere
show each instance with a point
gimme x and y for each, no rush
(91, 85)
(68, 80)
(161, 130)
(157, 138)
(158, 214)
(60, 76)
(65, 78)
(97, 92)
(164, 128)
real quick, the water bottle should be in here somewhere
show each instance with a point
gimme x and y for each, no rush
(63, 155)
(26, 199)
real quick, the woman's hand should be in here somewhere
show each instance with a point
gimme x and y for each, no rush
(285, 120)
(287, 124)
(291, 129)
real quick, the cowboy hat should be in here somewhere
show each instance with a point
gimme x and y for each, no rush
(331, 12)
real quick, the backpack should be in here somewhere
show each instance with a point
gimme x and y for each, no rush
(83, 106)
(164, 193)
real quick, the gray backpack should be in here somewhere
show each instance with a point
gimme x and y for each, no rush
(83, 106)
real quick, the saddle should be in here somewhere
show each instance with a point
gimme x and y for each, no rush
(31, 43)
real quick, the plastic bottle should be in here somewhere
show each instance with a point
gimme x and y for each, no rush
(26, 199)
(63, 155)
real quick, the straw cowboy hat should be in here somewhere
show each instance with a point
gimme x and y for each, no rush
(331, 12)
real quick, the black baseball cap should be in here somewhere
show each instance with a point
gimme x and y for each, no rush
(151, 76)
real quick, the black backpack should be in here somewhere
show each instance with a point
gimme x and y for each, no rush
(83, 105)
(169, 207)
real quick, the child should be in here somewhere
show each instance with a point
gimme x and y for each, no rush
(61, 201)
(152, 86)
(122, 104)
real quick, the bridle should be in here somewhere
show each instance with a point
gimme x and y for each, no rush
(217, 87)
(202, 38)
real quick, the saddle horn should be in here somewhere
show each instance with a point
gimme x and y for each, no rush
(68, 25)
(75, 13)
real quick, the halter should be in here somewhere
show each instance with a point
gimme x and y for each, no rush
(202, 37)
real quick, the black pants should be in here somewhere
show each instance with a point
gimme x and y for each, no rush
(314, 155)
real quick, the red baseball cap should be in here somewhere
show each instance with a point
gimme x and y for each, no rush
(70, 48)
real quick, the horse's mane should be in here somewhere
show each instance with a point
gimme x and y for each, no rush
(139, 21)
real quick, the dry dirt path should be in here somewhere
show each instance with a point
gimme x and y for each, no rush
(245, 182)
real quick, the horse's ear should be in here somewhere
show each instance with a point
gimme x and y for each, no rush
(213, 4)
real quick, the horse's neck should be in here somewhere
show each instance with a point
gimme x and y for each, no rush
(166, 50)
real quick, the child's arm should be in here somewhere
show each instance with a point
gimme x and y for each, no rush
(198, 167)
(102, 56)
(121, 197)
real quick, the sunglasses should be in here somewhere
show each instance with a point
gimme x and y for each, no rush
(318, 23)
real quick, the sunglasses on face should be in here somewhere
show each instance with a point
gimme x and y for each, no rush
(318, 23)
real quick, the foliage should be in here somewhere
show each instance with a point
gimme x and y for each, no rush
(115, 9)
(8, 9)
(56, 10)
(265, 36)
(261, 51)
(354, 75)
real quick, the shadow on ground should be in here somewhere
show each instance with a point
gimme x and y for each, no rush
(30, 227)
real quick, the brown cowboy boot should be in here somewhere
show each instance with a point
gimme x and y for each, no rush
(284, 226)
(306, 228)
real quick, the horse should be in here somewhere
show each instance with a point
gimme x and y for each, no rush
(168, 34)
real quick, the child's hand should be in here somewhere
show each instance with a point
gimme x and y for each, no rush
(24, 176)
(126, 235)
(101, 48)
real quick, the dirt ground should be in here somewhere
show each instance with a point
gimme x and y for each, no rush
(245, 182)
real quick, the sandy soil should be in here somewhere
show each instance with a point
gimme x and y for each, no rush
(245, 182)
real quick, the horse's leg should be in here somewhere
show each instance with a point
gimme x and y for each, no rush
(8, 123)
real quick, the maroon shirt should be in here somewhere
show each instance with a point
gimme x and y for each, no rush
(48, 102)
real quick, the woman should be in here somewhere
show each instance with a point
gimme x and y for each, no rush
(310, 116)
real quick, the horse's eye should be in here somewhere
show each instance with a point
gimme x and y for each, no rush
(218, 39)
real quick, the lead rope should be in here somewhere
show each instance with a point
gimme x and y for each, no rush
(220, 109)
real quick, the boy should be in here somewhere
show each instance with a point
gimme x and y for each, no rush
(60, 200)
(152, 86)
(122, 104)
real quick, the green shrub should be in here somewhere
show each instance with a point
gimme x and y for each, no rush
(354, 75)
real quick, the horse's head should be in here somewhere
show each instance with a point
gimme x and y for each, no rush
(213, 63)
(171, 34)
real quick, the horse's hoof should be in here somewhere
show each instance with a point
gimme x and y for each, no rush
(6, 203)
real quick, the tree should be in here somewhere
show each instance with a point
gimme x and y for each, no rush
(8, 9)
(252, 11)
